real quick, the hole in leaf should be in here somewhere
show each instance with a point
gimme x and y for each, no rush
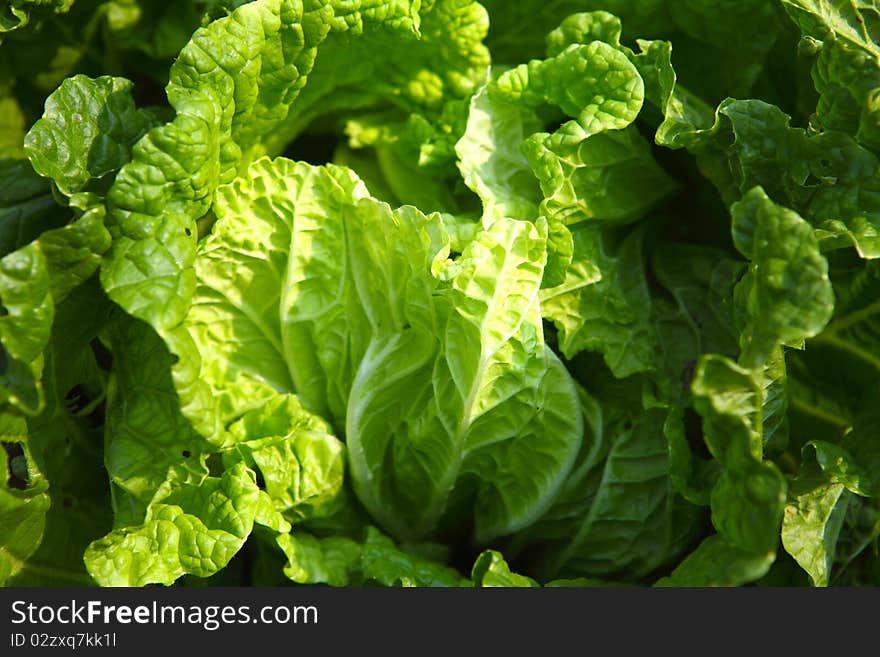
(82, 403)
(186, 453)
(17, 476)
(77, 398)
(103, 357)
(215, 465)
(188, 232)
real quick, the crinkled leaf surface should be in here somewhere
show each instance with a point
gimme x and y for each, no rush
(192, 527)
(86, 131)
(604, 303)
(786, 292)
(630, 336)
(24, 499)
(846, 71)
(418, 359)
(301, 464)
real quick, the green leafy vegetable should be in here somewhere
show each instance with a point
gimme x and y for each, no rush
(440, 293)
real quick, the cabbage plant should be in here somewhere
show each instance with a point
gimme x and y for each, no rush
(440, 292)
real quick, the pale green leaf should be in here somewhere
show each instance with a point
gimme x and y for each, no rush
(812, 523)
(490, 570)
(190, 528)
(300, 463)
(333, 560)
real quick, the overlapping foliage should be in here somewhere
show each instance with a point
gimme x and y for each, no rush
(439, 292)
